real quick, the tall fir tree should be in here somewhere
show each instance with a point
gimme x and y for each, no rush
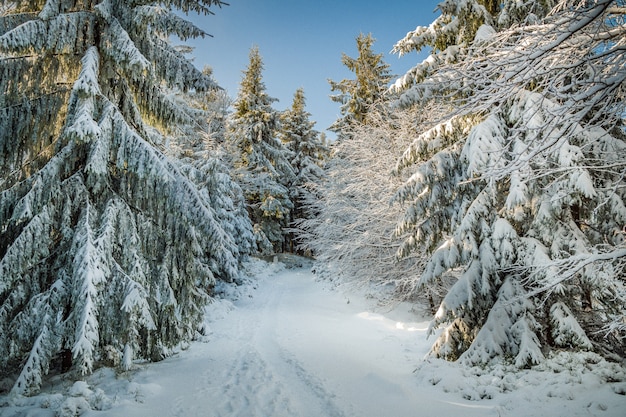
(371, 82)
(517, 191)
(307, 155)
(262, 164)
(105, 244)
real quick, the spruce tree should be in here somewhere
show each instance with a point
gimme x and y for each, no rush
(451, 34)
(307, 154)
(261, 163)
(201, 151)
(371, 82)
(517, 191)
(105, 244)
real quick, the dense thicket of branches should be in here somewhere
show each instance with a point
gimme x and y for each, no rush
(352, 235)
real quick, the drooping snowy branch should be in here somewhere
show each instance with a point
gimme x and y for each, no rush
(87, 199)
(576, 58)
(88, 274)
(530, 191)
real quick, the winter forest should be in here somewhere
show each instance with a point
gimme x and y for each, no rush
(486, 187)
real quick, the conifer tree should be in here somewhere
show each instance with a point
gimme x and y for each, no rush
(105, 244)
(519, 187)
(371, 82)
(452, 33)
(261, 163)
(201, 151)
(307, 154)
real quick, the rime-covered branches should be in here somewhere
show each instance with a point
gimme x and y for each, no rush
(352, 235)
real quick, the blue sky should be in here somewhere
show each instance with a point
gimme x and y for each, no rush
(301, 43)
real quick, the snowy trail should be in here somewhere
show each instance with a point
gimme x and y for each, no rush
(294, 349)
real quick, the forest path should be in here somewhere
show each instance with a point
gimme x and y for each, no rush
(293, 348)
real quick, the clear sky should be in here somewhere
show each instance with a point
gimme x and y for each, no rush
(301, 42)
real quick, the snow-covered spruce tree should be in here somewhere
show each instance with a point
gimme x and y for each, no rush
(357, 96)
(105, 245)
(307, 155)
(262, 165)
(521, 188)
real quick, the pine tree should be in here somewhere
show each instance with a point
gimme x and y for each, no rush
(105, 243)
(372, 79)
(308, 152)
(262, 162)
(520, 187)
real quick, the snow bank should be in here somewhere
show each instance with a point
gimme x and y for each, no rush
(566, 384)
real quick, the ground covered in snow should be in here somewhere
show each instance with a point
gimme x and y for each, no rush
(287, 345)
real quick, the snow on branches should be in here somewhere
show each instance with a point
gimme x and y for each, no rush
(519, 189)
(106, 244)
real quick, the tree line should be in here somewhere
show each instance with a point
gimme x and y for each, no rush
(128, 189)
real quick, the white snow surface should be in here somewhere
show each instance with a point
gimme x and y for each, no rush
(292, 345)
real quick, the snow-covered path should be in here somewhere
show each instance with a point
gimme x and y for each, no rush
(294, 349)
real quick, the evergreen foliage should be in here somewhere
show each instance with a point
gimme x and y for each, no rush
(201, 151)
(262, 163)
(307, 155)
(461, 22)
(106, 244)
(372, 78)
(520, 187)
